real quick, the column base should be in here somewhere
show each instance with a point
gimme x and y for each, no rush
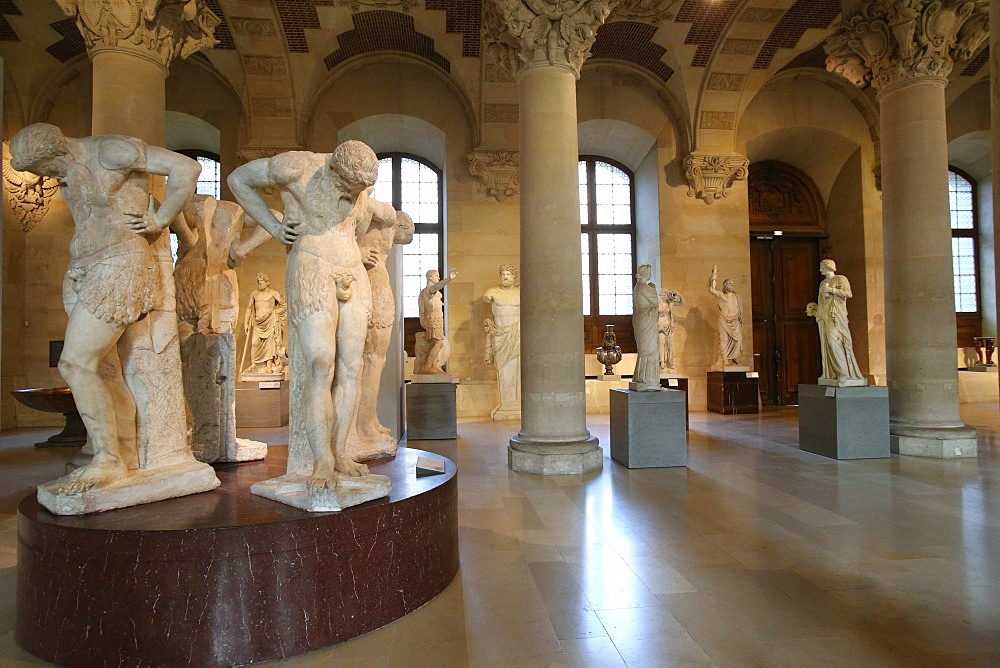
(933, 442)
(564, 458)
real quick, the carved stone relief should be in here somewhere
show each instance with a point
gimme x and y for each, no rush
(717, 120)
(497, 172)
(725, 81)
(265, 66)
(252, 27)
(711, 176)
(501, 113)
(741, 47)
(761, 15)
(28, 195)
(162, 30)
(646, 11)
(364, 5)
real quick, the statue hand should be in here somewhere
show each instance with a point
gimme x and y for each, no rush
(371, 258)
(289, 231)
(145, 222)
(453, 273)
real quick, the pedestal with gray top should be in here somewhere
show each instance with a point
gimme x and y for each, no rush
(844, 422)
(648, 428)
(431, 411)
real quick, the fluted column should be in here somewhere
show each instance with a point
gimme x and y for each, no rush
(545, 43)
(131, 44)
(906, 50)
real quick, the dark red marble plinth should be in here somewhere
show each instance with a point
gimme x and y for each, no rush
(227, 577)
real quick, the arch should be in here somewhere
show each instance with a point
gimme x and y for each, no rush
(185, 131)
(398, 133)
(783, 198)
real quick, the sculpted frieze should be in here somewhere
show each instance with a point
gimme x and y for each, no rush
(497, 172)
(711, 176)
(28, 194)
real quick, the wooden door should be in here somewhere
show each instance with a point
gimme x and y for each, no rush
(784, 279)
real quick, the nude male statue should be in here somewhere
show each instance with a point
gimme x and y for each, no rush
(113, 280)
(326, 210)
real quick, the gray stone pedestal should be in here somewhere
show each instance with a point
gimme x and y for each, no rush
(844, 422)
(262, 404)
(431, 412)
(648, 429)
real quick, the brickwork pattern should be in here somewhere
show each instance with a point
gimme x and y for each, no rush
(296, 16)
(708, 19)
(801, 16)
(71, 45)
(382, 30)
(463, 17)
(222, 32)
(7, 33)
(632, 42)
(977, 62)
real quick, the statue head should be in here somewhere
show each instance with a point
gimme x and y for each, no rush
(507, 275)
(827, 265)
(356, 165)
(263, 281)
(644, 273)
(36, 144)
(433, 276)
(728, 285)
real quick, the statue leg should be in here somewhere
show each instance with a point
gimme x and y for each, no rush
(89, 340)
(351, 333)
(317, 336)
(376, 347)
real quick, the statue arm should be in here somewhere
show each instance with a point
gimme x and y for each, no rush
(186, 237)
(244, 181)
(182, 177)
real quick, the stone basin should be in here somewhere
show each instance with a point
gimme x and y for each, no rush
(55, 400)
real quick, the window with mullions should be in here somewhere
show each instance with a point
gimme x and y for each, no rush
(965, 264)
(210, 179)
(414, 185)
(607, 241)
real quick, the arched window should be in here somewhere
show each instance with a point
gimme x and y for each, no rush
(965, 262)
(210, 179)
(607, 238)
(413, 185)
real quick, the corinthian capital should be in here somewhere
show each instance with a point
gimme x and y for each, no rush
(711, 176)
(896, 40)
(159, 30)
(544, 32)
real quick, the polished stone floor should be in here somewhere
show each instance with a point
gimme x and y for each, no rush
(756, 554)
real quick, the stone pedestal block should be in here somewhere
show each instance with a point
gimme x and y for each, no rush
(431, 411)
(257, 407)
(731, 392)
(648, 429)
(676, 382)
(844, 422)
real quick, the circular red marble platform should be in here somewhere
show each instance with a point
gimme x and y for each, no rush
(227, 577)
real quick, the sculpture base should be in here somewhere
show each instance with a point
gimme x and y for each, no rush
(940, 443)
(675, 381)
(555, 458)
(245, 451)
(262, 377)
(610, 377)
(231, 578)
(431, 411)
(844, 423)
(74, 434)
(649, 429)
(731, 368)
(262, 407)
(500, 413)
(732, 393)
(139, 487)
(379, 447)
(644, 387)
(432, 378)
(291, 489)
(842, 382)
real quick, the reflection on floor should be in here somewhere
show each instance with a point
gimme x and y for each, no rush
(755, 554)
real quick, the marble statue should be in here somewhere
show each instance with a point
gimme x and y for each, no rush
(840, 367)
(645, 304)
(665, 324)
(207, 313)
(369, 438)
(503, 342)
(432, 348)
(730, 321)
(264, 326)
(121, 355)
(326, 209)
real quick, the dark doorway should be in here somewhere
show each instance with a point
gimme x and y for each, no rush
(787, 224)
(783, 277)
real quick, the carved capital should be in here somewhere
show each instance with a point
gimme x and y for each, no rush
(159, 30)
(544, 32)
(891, 41)
(711, 176)
(497, 172)
(28, 195)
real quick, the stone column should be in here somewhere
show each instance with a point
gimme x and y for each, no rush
(995, 125)
(131, 44)
(906, 50)
(546, 43)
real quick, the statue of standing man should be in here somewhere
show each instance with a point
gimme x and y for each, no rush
(326, 211)
(730, 321)
(264, 326)
(503, 342)
(432, 348)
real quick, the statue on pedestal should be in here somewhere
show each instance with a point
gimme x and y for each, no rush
(264, 325)
(665, 323)
(207, 312)
(432, 348)
(840, 367)
(730, 321)
(326, 209)
(120, 357)
(646, 377)
(503, 342)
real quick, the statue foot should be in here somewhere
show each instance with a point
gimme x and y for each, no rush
(324, 476)
(349, 467)
(100, 472)
(385, 431)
